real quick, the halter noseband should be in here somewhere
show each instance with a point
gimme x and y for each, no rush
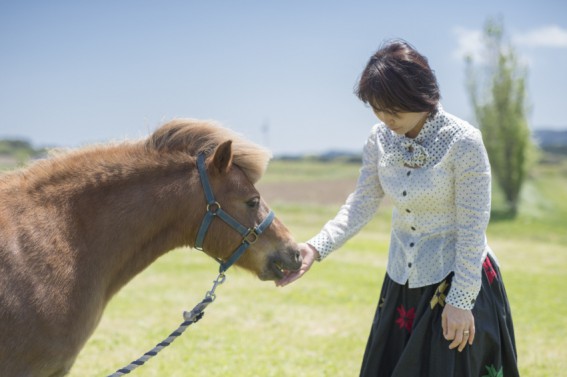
(214, 209)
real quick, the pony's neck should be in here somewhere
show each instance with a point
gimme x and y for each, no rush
(159, 219)
(130, 213)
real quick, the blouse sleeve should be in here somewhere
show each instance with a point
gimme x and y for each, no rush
(359, 207)
(472, 201)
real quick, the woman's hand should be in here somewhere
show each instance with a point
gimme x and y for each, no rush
(309, 254)
(458, 326)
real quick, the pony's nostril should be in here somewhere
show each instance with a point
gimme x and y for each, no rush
(298, 256)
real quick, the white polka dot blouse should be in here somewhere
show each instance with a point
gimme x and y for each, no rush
(439, 183)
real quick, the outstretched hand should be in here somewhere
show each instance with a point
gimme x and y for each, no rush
(309, 255)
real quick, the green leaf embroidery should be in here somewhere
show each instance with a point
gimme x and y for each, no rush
(492, 372)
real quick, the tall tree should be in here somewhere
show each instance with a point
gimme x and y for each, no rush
(498, 95)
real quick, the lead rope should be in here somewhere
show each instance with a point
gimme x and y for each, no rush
(189, 318)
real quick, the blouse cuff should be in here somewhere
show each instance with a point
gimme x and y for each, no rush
(461, 299)
(322, 245)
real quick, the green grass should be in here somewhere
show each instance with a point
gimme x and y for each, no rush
(318, 326)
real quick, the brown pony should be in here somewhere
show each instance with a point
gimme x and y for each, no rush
(77, 227)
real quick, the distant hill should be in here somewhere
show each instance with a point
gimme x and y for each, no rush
(553, 141)
(329, 156)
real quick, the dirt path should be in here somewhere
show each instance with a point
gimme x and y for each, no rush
(322, 192)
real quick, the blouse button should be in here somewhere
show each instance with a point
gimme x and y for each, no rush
(409, 264)
(413, 228)
(411, 244)
(404, 193)
(407, 210)
(408, 174)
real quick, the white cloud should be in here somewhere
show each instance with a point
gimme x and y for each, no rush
(546, 36)
(470, 43)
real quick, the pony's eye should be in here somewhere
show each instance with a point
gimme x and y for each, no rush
(253, 203)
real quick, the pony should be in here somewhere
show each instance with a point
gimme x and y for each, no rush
(78, 226)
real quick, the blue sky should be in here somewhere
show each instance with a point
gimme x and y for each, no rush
(281, 73)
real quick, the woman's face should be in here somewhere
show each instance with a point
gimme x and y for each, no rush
(403, 123)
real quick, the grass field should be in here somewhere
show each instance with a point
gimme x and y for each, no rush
(319, 325)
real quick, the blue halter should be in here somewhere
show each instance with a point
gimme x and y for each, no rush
(249, 235)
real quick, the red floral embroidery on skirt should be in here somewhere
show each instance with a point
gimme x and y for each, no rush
(405, 320)
(489, 270)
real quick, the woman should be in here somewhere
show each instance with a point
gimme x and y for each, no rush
(443, 309)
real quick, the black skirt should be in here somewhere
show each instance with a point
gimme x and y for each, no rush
(406, 339)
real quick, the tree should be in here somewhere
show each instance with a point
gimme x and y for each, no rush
(499, 101)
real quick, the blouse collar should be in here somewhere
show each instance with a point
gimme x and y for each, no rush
(429, 128)
(413, 151)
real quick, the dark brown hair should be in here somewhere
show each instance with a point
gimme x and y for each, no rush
(398, 78)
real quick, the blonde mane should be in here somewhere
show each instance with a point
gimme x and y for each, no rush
(198, 136)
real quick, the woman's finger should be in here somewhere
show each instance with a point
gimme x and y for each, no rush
(472, 333)
(457, 340)
(444, 326)
(465, 338)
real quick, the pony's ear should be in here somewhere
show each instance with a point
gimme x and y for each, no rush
(222, 159)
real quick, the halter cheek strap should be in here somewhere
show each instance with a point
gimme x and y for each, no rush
(214, 209)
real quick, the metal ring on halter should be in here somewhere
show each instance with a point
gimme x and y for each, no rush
(213, 207)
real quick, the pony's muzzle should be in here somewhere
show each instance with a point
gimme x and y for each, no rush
(286, 260)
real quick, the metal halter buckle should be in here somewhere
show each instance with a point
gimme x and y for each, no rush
(251, 237)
